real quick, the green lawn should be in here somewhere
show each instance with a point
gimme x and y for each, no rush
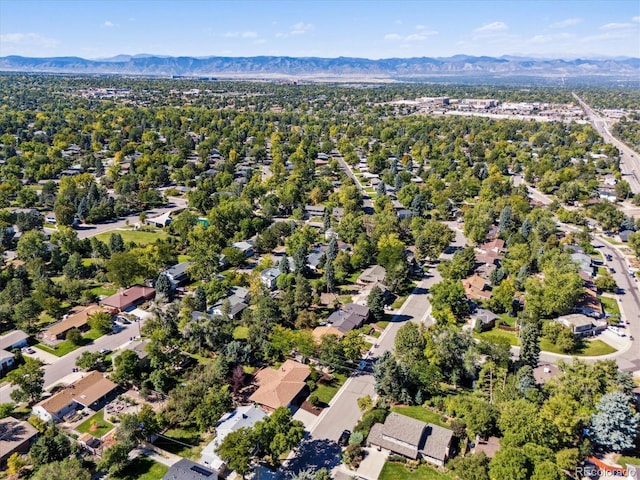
(183, 258)
(354, 276)
(610, 305)
(507, 319)
(142, 468)
(241, 333)
(103, 426)
(625, 459)
(397, 471)
(188, 435)
(399, 301)
(141, 238)
(103, 290)
(65, 347)
(497, 333)
(588, 348)
(325, 392)
(382, 324)
(420, 413)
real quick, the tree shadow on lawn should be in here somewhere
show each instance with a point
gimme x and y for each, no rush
(313, 454)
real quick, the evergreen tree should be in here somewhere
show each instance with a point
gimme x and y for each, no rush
(375, 302)
(332, 250)
(326, 219)
(504, 222)
(200, 300)
(530, 344)
(380, 189)
(330, 277)
(525, 229)
(164, 289)
(116, 243)
(284, 266)
(300, 260)
(615, 424)
(99, 167)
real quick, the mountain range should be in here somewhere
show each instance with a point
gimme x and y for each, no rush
(272, 66)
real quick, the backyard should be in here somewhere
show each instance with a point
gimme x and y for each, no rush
(96, 425)
(64, 347)
(421, 413)
(184, 441)
(137, 236)
(142, 468)
(398, 471)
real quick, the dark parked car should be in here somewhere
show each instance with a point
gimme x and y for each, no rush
(343, 441)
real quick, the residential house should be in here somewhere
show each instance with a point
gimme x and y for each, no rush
(139, 348)
(242, 417)
(349, 317)
(313, 259)
(311, 211)
(159, 221)
(584, 261)
(412, 438)
(79, 318)
(90, 391)
(282, 387)
(129, 298)
(238, 301)
(590, 304)
(624, 235)
(373, 274)
(189, 470)
(495, 246)
(476, 288)
(10, 341)
(244, 247)
(178, 274)
(581, 325)
(16, 436)
(269, 277)
(607, 193)
(484, 319)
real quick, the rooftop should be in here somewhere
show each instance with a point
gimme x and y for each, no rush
(85, 391)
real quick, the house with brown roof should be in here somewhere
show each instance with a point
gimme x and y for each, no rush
(590, 304)
(476, 288)
(90, 391)
(281, 387)
(495, 246)
(15, 436)
(129, 298)
(412, 438)
(373, 274)
(79, 318)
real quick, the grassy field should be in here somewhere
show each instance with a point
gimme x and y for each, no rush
(587, 348)
(141, 238)
(507, 319)
(397, 471)
(142, 468)
(104, 290)
(625, 459)
(422, 414)
(325, 392)
(399, 301)
(103, 426)
(382, 324)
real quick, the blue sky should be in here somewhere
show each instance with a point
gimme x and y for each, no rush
(327, 28)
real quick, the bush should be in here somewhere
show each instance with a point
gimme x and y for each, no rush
(369, 419)
(353, 456)
(356, 438)
(313, 400)
(74, 336)
(397, 458)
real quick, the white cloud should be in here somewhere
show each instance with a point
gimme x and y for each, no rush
(249, 35)
(492, 27)
(231, 34)
(636, 19)
(28, 39)
(301, 28)
(551, 38)
(260, 41)
(422, 34)
(569, 22)
(108, 24)
(616, 26)
(280, 35)
(609, 35)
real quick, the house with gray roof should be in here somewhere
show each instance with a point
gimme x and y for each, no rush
(412, 438)
(178, 274)
(349, 317)
(187, 470)
(269, 277)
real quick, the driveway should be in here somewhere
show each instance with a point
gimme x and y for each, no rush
(369, 468)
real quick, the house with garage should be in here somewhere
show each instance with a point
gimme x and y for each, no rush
(237, 301)
(178, 274)
(129, 298)
(91, 391)
(186, 469)
(78, 318)
(269, 277)
(245, 416)
(16, 436)
(373, 274)
(281, 387)
(349, 317)
(11, 341)
(412, 438)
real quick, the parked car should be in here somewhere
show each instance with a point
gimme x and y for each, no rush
(28, 350)
(343, 441)
(612, 270)
(105, 351)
